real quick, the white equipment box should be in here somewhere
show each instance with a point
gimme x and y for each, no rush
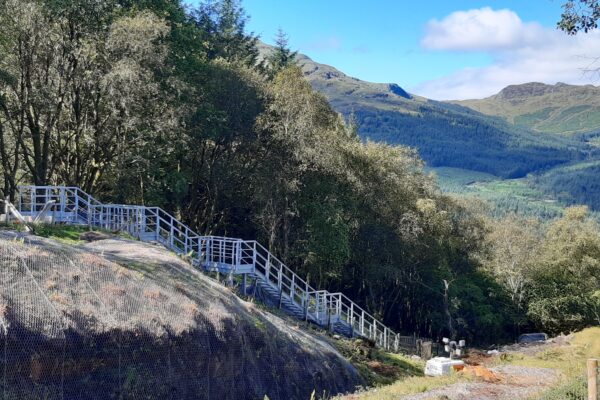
(442, 366)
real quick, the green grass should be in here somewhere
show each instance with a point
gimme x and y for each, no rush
(568, 360)
(406, 386)
(502, 195)
(378, 367)
(449, 178)
(543, 196)
(561, 110)
(534, 118)
(71, 234)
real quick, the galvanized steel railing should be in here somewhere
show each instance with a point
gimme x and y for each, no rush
(236, 256)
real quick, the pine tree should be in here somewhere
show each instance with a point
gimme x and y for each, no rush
(282, 57)
(224, 26)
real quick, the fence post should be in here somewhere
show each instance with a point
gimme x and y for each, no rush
(362, 323)
(385, 338)
(279, 278)
(592, 375)
(306, 299)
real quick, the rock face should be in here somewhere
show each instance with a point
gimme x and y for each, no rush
(127, 320)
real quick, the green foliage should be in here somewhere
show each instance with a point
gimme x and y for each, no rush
(281, 57)
(574, 389)
(551, 272)
(567, 275)
(484, 310)
(579, 15)
(169, 107)
(572, 184)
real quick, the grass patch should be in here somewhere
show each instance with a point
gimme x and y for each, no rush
(406, 386)
(377, 367)
(574, 389)
(569, 360)
(71, 234)
(501, 196)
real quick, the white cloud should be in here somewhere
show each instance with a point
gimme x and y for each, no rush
(521, 52)
(480, 29)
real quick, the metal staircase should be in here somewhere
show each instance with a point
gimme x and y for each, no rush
(271, 279)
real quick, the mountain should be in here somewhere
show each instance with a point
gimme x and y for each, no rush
(560, 108)
(445, 134)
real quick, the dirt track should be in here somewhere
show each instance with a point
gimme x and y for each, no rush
(514, 383)
(509, 382)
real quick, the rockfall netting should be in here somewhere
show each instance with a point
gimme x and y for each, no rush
(117, 319)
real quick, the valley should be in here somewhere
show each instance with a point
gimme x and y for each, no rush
(531, 149)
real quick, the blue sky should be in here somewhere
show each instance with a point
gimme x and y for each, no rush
(439, 49)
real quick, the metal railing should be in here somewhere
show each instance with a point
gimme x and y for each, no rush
(213, 253)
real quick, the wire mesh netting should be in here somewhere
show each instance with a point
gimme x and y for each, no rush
(127, 320)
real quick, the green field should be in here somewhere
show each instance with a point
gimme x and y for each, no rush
(502, 196)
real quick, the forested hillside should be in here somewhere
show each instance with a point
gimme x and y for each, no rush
(504, 143)
(149, 102)
(445, 134)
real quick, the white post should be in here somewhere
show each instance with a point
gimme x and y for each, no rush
(280, 277)
(306, 300)
(254, 256)
(171, 234)
(385, 338)
(63, 201)
(362, 323)
(592, 376)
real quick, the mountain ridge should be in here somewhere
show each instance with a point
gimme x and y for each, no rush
(445, 134)
(560, 108)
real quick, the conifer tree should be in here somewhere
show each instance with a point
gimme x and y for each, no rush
(282, 57)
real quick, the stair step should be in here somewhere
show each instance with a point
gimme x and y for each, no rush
(217, 254)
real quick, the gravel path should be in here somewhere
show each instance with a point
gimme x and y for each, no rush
(516, 383)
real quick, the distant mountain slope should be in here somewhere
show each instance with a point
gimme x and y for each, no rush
(445, 134)
(559, 108)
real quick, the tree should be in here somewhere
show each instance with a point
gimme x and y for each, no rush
(223, 27)
(281, 57)
(513, 244)
(567, 276)
(579, 15)
(82, 87)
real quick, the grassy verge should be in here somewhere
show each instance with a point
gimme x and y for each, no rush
(388, 375)
(569, 360)
(378, 367)
(71, 234)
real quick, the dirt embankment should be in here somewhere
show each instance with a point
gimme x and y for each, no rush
(122, 319)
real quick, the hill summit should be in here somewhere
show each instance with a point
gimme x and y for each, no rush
(445, 135)
(559, 108)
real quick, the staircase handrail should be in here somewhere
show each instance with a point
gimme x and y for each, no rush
(286, 278)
